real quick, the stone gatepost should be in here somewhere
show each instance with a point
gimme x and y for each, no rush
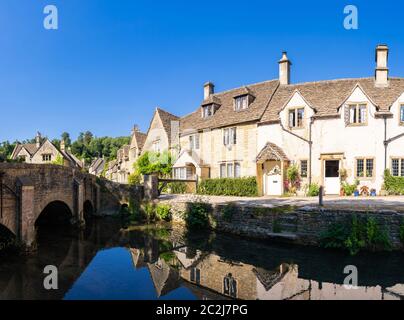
(151, 184)
(26, 214)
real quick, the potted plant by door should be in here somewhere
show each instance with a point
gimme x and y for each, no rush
(373, 192)
(356, 193)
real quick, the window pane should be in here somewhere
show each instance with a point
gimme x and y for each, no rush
(226, 137)
(233, 135)
(402, 113)
(402, 167)
(291, 118)
(191, 142)
(352, 114)
(222, 171)
(395, 167)
(369, 168)
(303, 168)
(197, 141)
(300, 116)
(362, 113)
(230, 172)
(237, 170)
(359, 167)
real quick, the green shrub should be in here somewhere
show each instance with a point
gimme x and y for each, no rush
(197, 215)
(355, 235)
(228, 211)
(241, 187)
(393, 185)
(134, 179)
(163, 212)
(175, 187)
(313, 190)
(349, 189)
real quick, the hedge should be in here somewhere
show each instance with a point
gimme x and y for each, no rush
(242, 187)
(394, 185)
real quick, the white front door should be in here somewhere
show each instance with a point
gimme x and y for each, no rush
(273, 181)
(332, 183)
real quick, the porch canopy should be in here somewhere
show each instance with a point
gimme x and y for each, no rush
(187, 159)
(271, 152)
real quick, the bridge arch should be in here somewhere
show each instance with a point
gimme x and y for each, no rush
(54, 213)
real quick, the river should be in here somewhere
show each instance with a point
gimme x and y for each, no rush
(105, 261)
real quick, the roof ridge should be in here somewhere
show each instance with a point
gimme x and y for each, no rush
(245, 86)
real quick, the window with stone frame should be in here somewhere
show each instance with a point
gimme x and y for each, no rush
(303, 168)
(208, 110)
(195, 275)
(46, 157)
(241, 103)
(358, 114)
(230, 170)
(402, 114)
(397, 167)
(365, 168)
(230, 136)
(230, 286)
(194, 142)
(296, 117)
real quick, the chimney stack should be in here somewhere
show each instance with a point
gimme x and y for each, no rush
(135, 129)
(382, 71)
(208, 90)
(38, 139)
(62, 145)
(284, 69)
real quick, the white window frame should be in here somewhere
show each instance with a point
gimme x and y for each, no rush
(241, 102)
(230, 165)
(47, 157)
(194, 141)
(208, 111)
(294, 123)
(400, 166)
(230, 136)
(156, 146)
(356, 118)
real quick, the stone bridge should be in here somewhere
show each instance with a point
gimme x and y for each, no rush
(27, 190)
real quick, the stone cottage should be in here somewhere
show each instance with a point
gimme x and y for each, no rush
(44, 151)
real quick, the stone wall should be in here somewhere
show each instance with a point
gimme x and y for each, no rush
(301, 225)
(114, 195)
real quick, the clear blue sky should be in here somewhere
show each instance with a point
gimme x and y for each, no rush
(112, 62)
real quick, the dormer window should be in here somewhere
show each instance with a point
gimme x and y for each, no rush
(296, 117)
(357, 114)
(208, 110)
(241, 102)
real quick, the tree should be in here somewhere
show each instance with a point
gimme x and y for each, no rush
(154, 163)
(66, 138)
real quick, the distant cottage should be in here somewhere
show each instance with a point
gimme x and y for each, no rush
(44, 151)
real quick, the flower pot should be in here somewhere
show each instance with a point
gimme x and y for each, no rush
(356, 193)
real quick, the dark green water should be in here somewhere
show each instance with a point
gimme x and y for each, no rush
(103, 262)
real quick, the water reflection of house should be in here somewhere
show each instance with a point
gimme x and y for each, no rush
(165, 278)
(210, 276)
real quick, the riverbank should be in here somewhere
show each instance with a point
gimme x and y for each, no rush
(299, 224)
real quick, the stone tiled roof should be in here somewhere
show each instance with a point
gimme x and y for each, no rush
(140, 138)
(226, 115)
(271, 152)
(166, 119)
(326, 97)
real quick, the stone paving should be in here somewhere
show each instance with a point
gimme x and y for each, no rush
(395, 203)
